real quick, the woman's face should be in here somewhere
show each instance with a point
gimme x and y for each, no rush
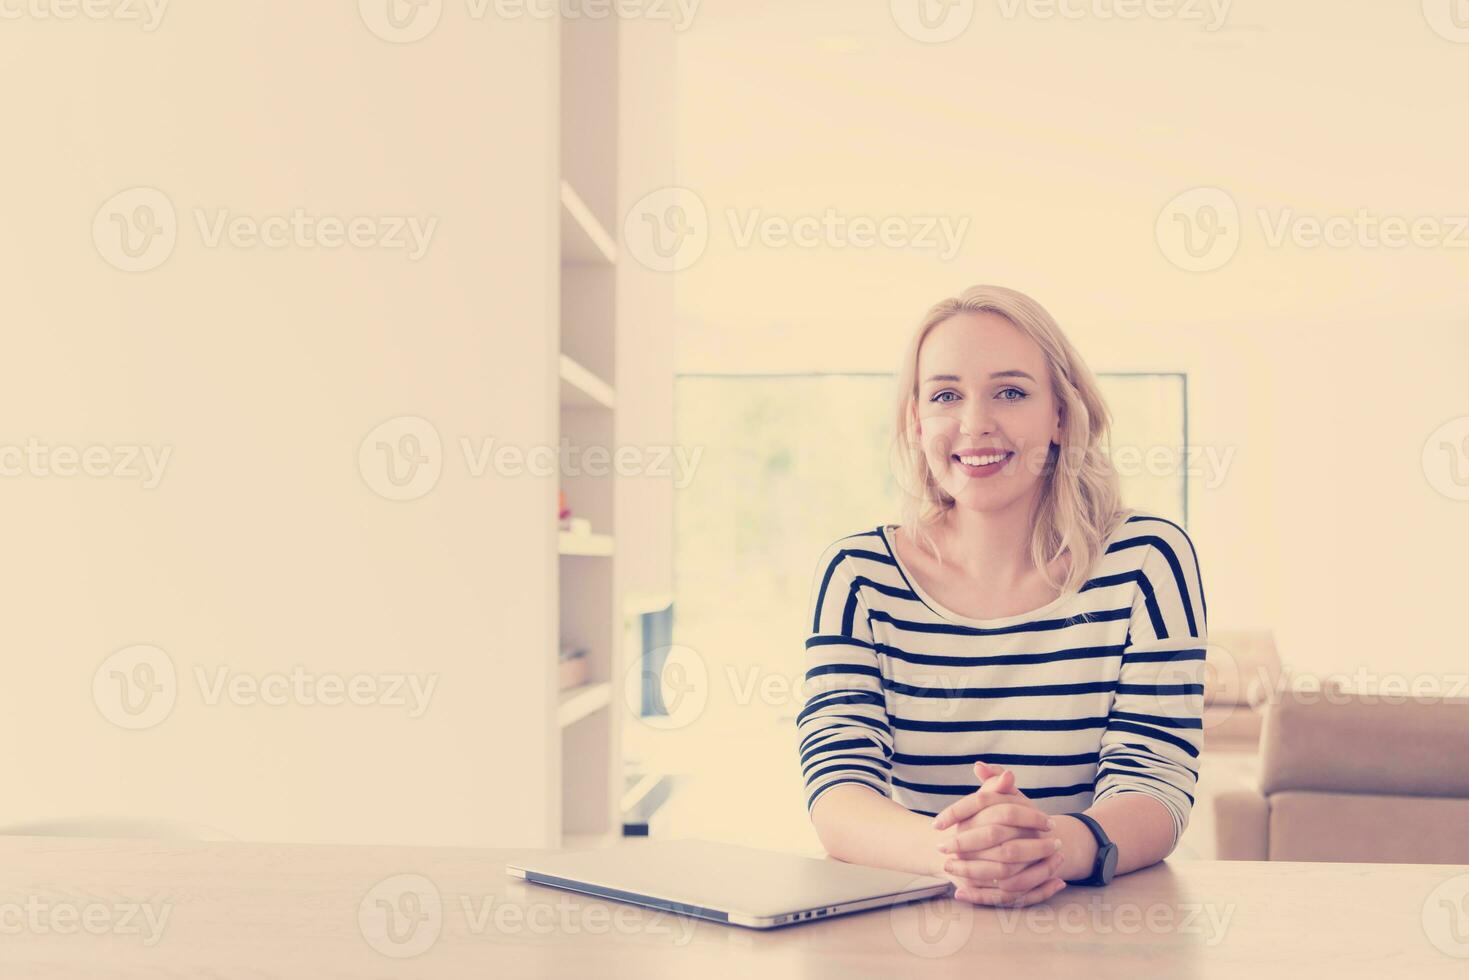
(983, 389)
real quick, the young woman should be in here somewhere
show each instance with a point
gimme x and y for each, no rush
(1020, 650)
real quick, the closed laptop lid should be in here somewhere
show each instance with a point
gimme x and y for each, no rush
(729, 877)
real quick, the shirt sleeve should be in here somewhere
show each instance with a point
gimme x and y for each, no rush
(843, 729)
(1155, 729)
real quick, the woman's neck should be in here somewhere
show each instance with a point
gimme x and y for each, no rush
(988, 547)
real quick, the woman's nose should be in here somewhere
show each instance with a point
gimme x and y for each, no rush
(976, 420)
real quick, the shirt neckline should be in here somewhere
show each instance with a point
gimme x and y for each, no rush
(943, 612)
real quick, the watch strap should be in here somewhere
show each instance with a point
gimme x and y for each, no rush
(1095, 878)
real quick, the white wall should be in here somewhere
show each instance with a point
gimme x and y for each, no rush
(262, 370)
(1062, 141)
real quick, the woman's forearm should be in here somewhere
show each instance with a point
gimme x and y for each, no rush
(860, 826)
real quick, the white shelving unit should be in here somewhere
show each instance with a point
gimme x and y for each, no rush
(613, 367)
(587, 727)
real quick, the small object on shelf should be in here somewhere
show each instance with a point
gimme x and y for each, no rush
(572, 670)
(562, 511)
(576, 525)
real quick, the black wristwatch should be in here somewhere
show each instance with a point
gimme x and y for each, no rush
(1106, 863)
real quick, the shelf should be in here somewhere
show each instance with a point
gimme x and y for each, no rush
(641, 603)
(583, 239)
(578, 702)
(581, 388)
(588, 545)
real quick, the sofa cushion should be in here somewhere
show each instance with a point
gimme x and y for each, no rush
(1336, 742)
(1368, 828)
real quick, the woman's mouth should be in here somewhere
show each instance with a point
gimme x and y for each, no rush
(981, 464)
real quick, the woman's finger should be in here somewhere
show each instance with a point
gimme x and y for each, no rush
(995, 781)
(987, 836)
(992, 896)
(967, 806)
(997, 810)
(983, 872)
(1024, 851)
(1032, 876)
(1013, 878)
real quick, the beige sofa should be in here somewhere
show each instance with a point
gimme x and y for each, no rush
(1358, 778)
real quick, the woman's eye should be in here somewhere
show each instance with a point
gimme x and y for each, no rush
(1021, 395)
(940, 397)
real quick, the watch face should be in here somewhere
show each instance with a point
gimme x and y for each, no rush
(1109, 861)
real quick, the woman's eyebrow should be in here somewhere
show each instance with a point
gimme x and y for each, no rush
(998, 374)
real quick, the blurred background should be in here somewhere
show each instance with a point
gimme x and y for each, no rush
(421, 418)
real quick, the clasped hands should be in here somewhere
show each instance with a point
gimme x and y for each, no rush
(1000, 849)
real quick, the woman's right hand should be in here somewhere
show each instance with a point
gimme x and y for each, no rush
(1001, 851)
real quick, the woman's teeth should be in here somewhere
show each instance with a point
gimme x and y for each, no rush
(981, 460)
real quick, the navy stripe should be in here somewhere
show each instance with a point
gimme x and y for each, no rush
(1034, 793)
(1162, 656)
(827, 750)
(831, 568)
(1203, 602)
(842, 669)
(1104, 772)
(1154, 690)
(1158, 733)
(1038, 626)
(822, 640)
(1004, 659)
(1160, 720)
(1000, 725)
(1026, 691)
(861, 697)
(811, 800)
(860, 719)
(998, 759)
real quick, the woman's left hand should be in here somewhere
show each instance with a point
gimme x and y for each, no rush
(1003, 851)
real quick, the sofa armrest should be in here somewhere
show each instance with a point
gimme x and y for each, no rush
(1241, 825)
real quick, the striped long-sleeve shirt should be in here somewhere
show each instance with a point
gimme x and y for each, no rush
(1097, 693)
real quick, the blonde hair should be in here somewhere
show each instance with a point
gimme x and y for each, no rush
(1080, 503)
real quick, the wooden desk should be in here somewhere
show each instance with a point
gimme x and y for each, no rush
(263, 910)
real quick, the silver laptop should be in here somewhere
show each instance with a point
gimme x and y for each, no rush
(730, 883)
